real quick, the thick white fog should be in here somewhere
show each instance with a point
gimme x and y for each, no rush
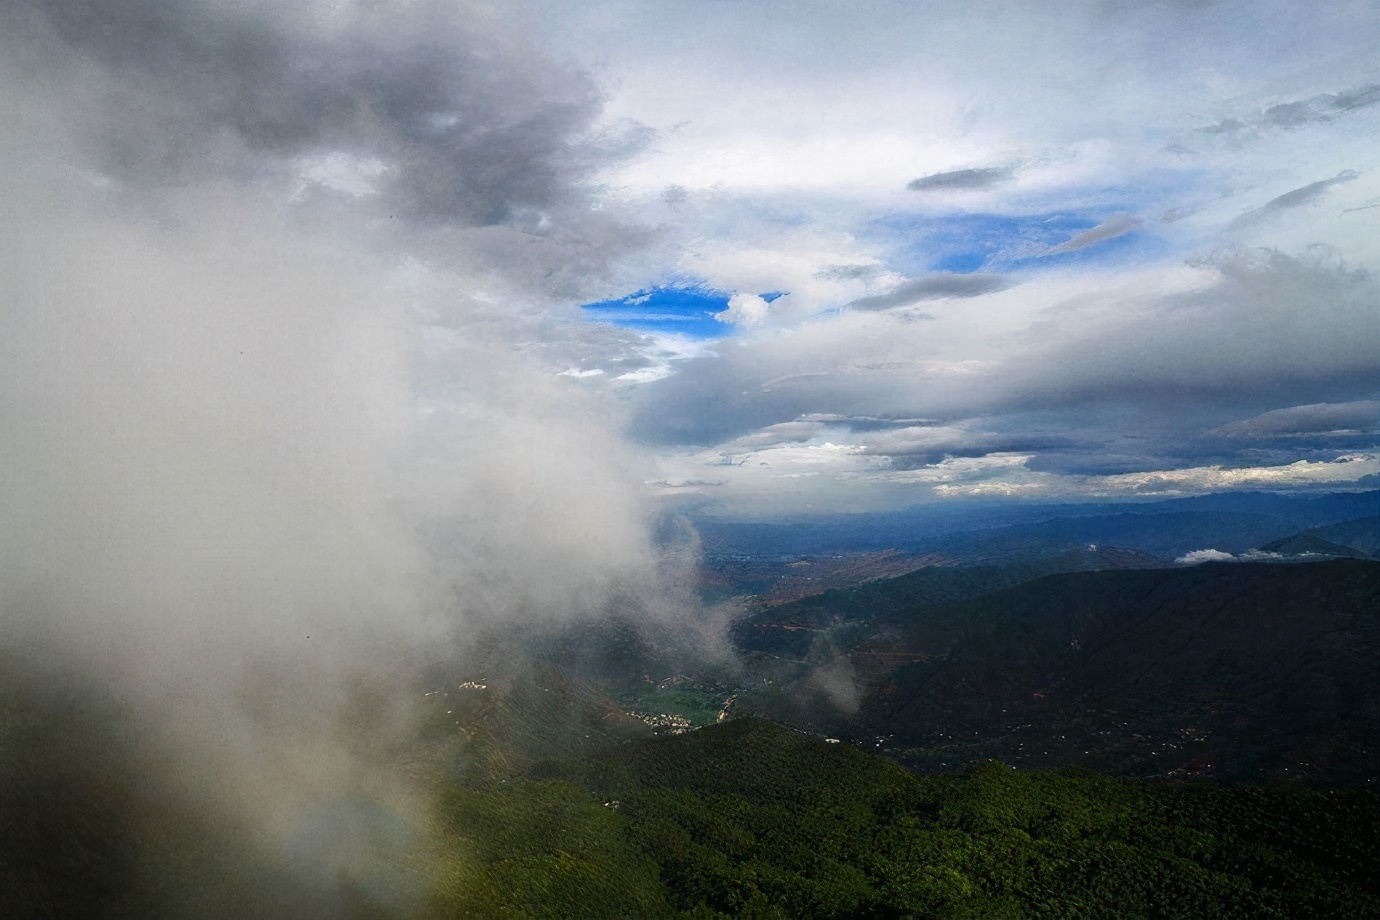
(270, 447)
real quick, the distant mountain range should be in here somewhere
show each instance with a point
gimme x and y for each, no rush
(1230, 522)
(1359, 539)
(787, 561)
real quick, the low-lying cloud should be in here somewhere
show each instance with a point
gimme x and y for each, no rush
(267, 456)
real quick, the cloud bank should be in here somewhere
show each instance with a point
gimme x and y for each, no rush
(1026, 237)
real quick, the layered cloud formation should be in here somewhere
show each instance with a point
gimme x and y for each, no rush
(1102, 253)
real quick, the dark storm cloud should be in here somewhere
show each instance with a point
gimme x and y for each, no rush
(933, 287)
(460, 122)
(1294, 199)
(961, 180)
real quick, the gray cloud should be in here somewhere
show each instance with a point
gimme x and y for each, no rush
(865, 422)
(1320, 108)
(863, 272)
(707, 402)
(1288, 115)
(1355, 99)
(1113, 386)
(915, 447)
(962, 180)
(458, 121)
(1119, 225)
(1225, 126)
(1300, 112)
(1274, 325)
(1294, 199)
(1318, 418)
(933, 287)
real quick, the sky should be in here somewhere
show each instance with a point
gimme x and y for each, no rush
(802, 257)
(1112, 250)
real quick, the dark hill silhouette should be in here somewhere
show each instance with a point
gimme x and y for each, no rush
(1362, 535)
(1310, 544)
(789, 629)
(1237, 670)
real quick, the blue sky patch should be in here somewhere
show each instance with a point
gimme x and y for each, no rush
(964, 243)
(684, 310)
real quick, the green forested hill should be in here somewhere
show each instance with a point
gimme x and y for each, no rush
(1242, 671)
(745, 818)
(539, 793)
(751, 819)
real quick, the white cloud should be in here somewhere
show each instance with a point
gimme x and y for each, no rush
(267, 448)
(761, 480)
(343, 172)
(1199, 556)
(744, 310)
(1344, 472)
